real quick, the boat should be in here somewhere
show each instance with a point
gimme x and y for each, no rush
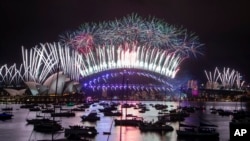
(200, 133)
(48, 110)
(126, 105)
(134, 121)
(78, 109)
(5, 116)
(63, 114)
(7, 109)
(130, 115)
(160, 106)
(225, 113)
(142, 111)
(106, 133)
(112, 113)
(173, 117)
(35, 109)
(38, 115)
(40, 120)
(47, 127)
(91, 117)
(28, 106)
(213, 111)
(70, 104)
(156, 127)
(108, 108)
(82, 131)
(85, 105)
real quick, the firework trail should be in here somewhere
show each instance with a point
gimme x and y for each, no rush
(227, 78)
(133, 42)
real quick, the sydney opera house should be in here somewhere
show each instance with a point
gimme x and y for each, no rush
(104, 56)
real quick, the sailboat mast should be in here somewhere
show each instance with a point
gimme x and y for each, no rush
(57, 75)
(126, 99)
(123, 77)
(179, 106)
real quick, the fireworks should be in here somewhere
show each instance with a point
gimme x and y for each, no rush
(132, 42)
(130, 56)
(11, 75)
(227, 78)
(151, 32)
(149, 45)
(37, 63)
(40, 62)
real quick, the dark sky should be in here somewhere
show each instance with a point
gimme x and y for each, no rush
(222, 25)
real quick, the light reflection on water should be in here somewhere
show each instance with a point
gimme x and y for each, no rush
(17, 130)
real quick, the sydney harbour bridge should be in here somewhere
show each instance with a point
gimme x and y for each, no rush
(135, 53)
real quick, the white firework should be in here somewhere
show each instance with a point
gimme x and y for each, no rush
(11, 75)
(130, 56)
(129, 43)
(227, 78)
(40, 62)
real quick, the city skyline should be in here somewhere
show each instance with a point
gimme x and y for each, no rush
(221, 26)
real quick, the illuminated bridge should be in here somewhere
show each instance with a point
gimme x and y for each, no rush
(105, 55)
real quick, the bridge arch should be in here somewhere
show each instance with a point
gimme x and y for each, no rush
(131, 43)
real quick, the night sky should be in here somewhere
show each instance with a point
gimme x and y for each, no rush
(222, 26)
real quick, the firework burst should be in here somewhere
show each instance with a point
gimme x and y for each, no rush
(152, 32)
(226, 78)
(44, 60)
(133, 42)
(11, 75)
(130, 56)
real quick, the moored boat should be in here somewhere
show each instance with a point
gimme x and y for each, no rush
(48, 110)
(156, 127)
(78, 109)
(84, 131)
(47, 127)
(7, 109)
(108, 108)
(63, 114)
(5, 116)
(134, 121)
(35, 109)
(91, 117)
(200, 132)
(112, 113)
(40, 120)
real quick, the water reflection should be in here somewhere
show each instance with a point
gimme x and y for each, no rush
(17, 130)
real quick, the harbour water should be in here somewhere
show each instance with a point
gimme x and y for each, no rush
(17, 129)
